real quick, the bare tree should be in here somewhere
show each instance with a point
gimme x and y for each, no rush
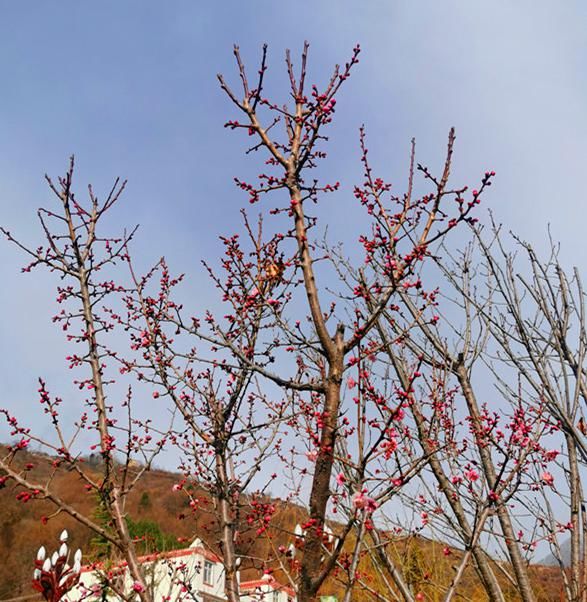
(76, 250)
(535, 313)
(508, 327)
(331, 367)
(337, 331)
(230, 428)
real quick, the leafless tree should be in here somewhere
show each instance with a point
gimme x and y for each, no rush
(76, 250)
(534, 311)
(337, 332)
(345, 355)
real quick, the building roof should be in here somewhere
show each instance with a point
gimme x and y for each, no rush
(266, 580)
(199, 550)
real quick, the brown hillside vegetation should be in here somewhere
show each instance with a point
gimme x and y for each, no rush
(169, 522)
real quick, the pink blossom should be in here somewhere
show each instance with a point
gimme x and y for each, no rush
(176, 487)
(340, 479)
(547, 478)
(551, 455)
(23, 443)
(472, 474)
(364, 502)
(389, 447)
(351, 383)
(312, 455)
(138, 587)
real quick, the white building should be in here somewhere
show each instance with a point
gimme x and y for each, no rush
(193, 574)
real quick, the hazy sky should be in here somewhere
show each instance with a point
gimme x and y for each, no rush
(130, 88)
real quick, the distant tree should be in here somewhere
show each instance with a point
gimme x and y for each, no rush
(149, 537)
(145, 502)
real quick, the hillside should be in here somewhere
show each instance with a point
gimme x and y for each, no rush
(162, 518)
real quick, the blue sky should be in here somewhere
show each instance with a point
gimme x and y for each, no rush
(130, 88)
